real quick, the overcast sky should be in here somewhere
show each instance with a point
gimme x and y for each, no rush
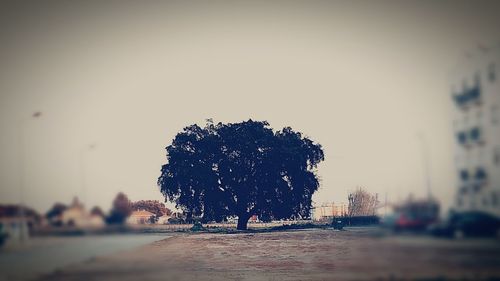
(362, 78)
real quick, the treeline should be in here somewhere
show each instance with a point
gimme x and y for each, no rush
(121, 209)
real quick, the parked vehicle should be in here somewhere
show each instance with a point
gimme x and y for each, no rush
(338, 224)
(3, 235)
(412, 223)
(467, 224)
(389, 221)
(416, 215)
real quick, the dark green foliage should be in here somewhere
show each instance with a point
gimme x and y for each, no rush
(97, 211)
(122, 208)
(241, 169)
(153, 206)
(56, 210)
(153, 219)
(3, 235)
(197, 226)
(176, 220)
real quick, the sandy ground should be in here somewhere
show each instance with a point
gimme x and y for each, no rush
(354, 254)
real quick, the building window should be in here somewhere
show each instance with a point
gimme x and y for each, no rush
(480, 174)
(492, 76)
(462, 138)
(475, 134)
(475, 94)
(463, 190)
(480, 177)
(494, 115)
(464, 175)
(461, 100)
(485, 201)
(496, 156)
(468, 95)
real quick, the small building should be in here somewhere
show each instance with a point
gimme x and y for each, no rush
(253, 219)
(76, 215)
(18, 222)
(140, 217)
(95, 221)
(163, 219)
(16, 228)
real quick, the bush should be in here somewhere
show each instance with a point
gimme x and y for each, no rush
(175, 220)
(3, 235)
(197, 226)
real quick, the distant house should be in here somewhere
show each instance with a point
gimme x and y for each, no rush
(163, 219)
(253, 218)
(76, 215)
(16, 228)
(95, 221)
(140, 217)
(17, 223)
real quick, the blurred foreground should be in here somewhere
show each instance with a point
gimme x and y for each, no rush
(361, 253)
(42, 255)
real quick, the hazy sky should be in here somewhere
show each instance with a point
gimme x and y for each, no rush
(362, 78)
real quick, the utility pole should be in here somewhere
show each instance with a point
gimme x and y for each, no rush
(385, 205)
(22, 223)
(426, 163)
(83, 171)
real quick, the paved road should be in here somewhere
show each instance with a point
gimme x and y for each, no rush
(45, 255)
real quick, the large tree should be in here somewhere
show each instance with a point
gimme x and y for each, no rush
(362, 203)
(241, 169)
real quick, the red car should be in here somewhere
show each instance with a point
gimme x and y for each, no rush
(413, 223)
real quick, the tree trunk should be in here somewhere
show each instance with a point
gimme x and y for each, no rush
(242, 222)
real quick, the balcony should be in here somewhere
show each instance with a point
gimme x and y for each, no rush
(468, 97)
(470, 137)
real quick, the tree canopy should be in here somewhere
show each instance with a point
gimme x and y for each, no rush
(241, 169)
(56, 210)
(120, 210)
(153, 206)
(362, 203)
(97, 211)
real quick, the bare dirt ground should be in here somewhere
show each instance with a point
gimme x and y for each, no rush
(316, 254)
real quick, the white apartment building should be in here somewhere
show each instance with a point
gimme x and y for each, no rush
(475, 87)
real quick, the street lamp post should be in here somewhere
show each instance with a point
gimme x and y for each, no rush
(426, 163)
(83, 171)
(23, 231)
